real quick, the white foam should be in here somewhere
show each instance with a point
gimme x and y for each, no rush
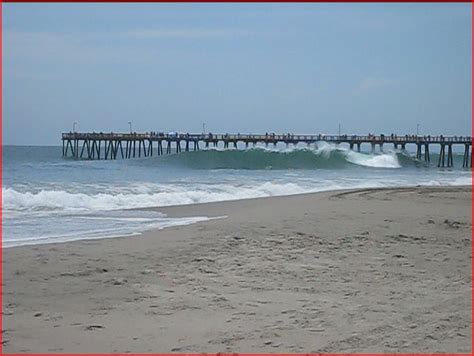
(448, 182)
(387, 160)
(102, 233)
(61, 200)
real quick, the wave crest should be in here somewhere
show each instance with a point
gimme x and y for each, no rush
(325, 156)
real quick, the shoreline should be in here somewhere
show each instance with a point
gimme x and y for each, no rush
(379, 270)
(174, 210)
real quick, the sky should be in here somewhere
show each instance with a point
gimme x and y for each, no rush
(248, 68)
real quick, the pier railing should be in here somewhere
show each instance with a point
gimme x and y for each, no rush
(112, 143)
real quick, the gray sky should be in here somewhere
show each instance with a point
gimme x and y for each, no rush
(301, 68)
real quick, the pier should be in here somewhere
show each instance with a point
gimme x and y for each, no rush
(110, 146)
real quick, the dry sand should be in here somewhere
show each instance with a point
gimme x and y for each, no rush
(383, 270)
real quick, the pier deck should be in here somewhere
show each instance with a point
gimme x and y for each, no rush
(111, 145)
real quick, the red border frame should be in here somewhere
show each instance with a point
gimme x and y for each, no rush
(472, 196)
(216, 1)
(1, 177)
(238, 1)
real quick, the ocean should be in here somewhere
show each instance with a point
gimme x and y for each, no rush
(48, 198)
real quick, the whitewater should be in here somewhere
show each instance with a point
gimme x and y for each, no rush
(47, 198)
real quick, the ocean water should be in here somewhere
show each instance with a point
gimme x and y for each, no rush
(48, 198)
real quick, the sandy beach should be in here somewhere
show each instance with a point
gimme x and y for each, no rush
(374, 270)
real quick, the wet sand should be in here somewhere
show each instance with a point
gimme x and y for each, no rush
(375, 270)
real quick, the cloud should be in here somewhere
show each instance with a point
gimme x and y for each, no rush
(370, 83)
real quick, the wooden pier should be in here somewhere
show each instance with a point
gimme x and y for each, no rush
(110, 146)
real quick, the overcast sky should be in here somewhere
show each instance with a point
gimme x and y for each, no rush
(301, 68)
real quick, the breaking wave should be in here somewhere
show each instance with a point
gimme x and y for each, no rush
(326, 156)
(64, 201)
